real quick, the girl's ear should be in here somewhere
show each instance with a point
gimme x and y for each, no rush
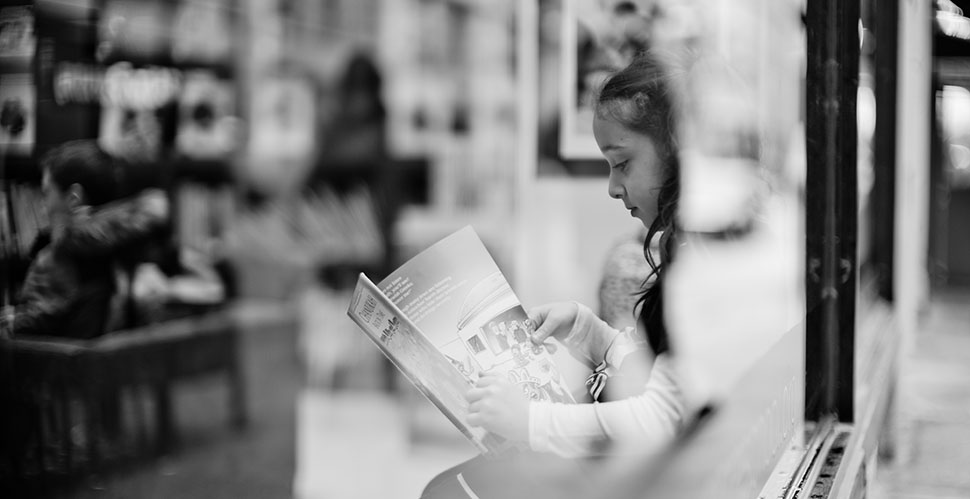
(75, 195)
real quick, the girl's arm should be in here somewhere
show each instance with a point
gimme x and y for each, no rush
(645, 423)
(648, 419)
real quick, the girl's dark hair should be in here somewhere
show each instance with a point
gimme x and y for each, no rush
(82, 162)
(638, 97)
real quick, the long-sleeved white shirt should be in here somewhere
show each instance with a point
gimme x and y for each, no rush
(645, 423)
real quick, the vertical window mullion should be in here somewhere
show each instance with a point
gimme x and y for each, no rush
(884, 150)
(831, 205)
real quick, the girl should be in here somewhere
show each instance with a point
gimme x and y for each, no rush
(634, 129)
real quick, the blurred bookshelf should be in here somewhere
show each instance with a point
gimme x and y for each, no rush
(21, 212)
(221, 79)
(93, 71)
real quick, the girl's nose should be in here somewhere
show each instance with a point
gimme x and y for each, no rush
(614, 188)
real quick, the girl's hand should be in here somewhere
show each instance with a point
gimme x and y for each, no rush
(553, 320)
(499, 406)
(586, 336)
(557, 320)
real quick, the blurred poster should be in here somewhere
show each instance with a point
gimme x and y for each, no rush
(18, 115)
(598, 37)
(135, 29)
(17, 32)
(202, 31)
(206, 117)
(282, 131)
(136, 106)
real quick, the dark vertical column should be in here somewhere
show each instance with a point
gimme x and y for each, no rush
(831, 197)
(66, 35)
(939, 191)
(884, 155)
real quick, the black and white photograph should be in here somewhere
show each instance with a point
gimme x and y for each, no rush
(485, 249)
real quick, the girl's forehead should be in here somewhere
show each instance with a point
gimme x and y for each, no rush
(616, 131)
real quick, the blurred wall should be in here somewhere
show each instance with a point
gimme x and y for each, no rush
(569, 224)
(563, 225)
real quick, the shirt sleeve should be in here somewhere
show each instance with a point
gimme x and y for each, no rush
(45, 298)
(100, 232)
(646, 423)
(590, 337)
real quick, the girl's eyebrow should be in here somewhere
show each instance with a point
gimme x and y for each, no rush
(611, 147)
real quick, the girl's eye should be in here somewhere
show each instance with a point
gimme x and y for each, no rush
(621, 165)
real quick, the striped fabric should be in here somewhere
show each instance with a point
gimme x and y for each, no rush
(596, 381)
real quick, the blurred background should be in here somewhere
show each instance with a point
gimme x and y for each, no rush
(300, 142)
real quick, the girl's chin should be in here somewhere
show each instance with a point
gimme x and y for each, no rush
(646, 221)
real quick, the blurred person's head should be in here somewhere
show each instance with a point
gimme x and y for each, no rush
(360, 88)
(76, 174)
(635, 129)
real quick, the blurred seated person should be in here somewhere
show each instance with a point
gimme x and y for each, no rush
(173, 281)
(355, 134)
(71, 281)
(624, 273)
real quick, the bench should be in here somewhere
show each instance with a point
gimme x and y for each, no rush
(53, 387)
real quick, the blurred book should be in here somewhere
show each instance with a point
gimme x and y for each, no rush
(321, 228)
(28, 216)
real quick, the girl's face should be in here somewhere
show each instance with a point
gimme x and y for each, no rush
(635, 167)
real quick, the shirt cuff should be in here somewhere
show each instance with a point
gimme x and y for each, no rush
(622, 345)
(590, 335)
(539, 423)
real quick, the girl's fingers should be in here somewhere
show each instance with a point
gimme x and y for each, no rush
(483, 385)
(546, 330)
(552, 319)
(487, 378)
(538, 314)
(476, 394)
(540, 335)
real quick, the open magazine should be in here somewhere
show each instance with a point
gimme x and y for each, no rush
(445, 316)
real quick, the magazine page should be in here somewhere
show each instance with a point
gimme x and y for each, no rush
(459, 298)
(423, 365)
